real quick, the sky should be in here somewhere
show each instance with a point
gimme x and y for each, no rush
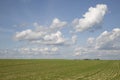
(60, 29)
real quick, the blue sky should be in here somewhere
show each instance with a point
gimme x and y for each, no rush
(46, 29)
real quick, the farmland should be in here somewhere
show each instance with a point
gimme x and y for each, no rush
(55, 69)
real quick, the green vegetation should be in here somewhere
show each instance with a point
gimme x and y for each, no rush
(59, 69)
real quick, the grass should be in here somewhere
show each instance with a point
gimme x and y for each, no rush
(53, 69)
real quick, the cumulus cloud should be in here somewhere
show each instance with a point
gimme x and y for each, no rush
(108, 40)
(43, 35)
(90, 19)
(54, 38)
(28, 35)
(51, 39)
(40, 37)
(58, 24)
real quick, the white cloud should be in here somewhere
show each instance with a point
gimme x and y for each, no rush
(43, 35)
(51, 39)
(54, 49)
(91, 53)
(108, 40)
(40, 37)
(80, 51)
(90, 19)
(74, 39)
(39, 27)
(28, 35)
(36, 50)
(90, 40)
(54, 38)
(57, 24)
(22, 35)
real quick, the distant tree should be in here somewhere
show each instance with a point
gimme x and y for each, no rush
(97, 59)
(87, 59)
(92, 59)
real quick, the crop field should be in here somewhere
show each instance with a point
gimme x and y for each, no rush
(55, 69)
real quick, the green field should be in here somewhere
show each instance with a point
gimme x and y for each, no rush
(59, 69)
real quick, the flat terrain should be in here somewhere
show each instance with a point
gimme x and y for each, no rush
(59, 69)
